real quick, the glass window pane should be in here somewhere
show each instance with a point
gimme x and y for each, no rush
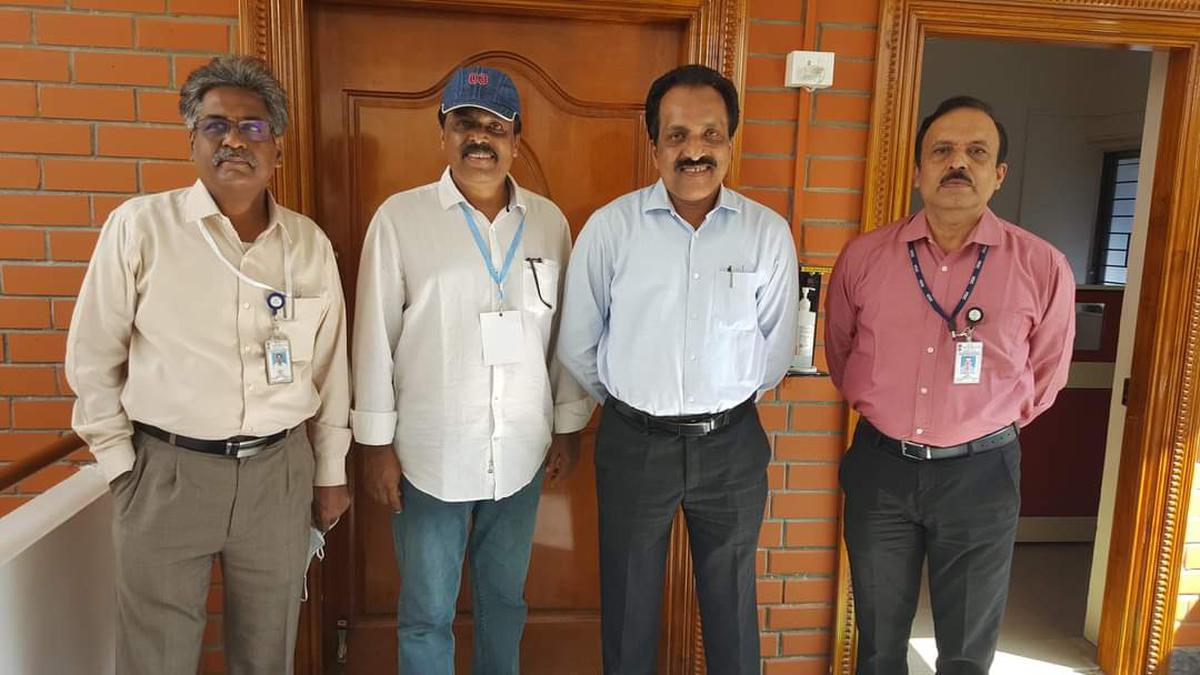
(1118, 241)
(1123, 224)
(1114, 275)
(1127, 172)
(1122, 207)
(1115, 258)
(1125, 191)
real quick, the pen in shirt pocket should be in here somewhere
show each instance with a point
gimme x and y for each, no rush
(537, 284)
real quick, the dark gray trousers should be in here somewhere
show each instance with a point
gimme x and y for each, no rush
(959, 513)
(642, 478)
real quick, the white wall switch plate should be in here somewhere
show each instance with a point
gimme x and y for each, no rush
(811, 70)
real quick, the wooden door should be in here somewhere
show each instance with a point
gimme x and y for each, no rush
(377, 75)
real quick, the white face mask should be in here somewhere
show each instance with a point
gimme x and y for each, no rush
(316, 549)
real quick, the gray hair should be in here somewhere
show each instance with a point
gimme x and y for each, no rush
(244, 72)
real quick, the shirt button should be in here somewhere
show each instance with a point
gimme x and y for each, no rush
(691, 399)
(945, 269)
(924, 390)
(692, 357)
(920, 431)
(929, 350)
(245, 305)
(248, 349)
(695, 275)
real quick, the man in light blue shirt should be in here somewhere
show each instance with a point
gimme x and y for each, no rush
(681, 308)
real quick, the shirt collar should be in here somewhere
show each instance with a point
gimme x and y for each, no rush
(658, 200)
(988, 231)
(449, 195)
(199, 205)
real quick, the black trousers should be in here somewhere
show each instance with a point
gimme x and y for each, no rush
(642, 478)
(959, 513)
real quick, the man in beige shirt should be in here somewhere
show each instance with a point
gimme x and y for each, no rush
(208, 353)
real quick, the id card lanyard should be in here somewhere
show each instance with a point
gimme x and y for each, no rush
(497, 276)
(951, 319)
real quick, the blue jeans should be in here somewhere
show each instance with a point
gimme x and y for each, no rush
(431, 537)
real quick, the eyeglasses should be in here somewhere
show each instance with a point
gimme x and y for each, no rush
(217, 128)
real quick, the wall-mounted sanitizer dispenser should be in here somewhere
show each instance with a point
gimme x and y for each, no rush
(806, 330)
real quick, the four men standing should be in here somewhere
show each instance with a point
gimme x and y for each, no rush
(208, 351)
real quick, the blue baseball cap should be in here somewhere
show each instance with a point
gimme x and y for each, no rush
(482, 87)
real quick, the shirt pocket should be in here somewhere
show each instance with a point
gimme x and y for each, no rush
(301, 330)
(539, 295)
(735, 303)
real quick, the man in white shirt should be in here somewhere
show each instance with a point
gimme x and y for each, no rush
(208, 353)
(456, 393)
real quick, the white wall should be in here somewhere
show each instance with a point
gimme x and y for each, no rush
(1063, 108)
(57, 593)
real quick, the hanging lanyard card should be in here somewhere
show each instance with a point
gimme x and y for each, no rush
(503, 336)
(278, 351)
(968, 362)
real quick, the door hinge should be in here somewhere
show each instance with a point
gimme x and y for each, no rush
(343, 630)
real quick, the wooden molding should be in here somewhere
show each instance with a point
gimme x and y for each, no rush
(1160, 445)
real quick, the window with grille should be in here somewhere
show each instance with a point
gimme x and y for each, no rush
(1114, 224)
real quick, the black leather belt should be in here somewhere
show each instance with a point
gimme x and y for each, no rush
(240, 447)
(923, 453)
(692, 426)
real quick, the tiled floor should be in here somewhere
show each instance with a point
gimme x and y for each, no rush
(1043, 627)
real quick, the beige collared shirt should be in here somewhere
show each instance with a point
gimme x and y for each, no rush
(463, 430)
(166, 334)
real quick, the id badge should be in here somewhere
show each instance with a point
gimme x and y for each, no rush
(968, 362)
(503, 336)
(279, 360)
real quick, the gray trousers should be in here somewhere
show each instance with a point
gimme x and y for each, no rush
(177, 510)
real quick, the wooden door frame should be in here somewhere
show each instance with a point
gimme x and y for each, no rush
(278, 31)
(1159, 448)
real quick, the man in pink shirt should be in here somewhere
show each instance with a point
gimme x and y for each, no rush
(947, 331)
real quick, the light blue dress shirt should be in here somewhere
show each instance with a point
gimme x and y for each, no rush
(680, 321)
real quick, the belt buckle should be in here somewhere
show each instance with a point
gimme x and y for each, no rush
(231, 448)
(924, 455)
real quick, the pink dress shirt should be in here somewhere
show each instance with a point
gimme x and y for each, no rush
(892, 356)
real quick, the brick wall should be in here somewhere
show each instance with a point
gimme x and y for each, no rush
(822, 194)
(88, 94)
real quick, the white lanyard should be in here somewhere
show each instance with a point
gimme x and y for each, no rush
(287, 270)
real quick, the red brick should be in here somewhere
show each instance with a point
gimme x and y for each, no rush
(160, 176)
(778, 201)
(809, 591)
(103, 205)
(776, 477)
(18, 381)
(89, 175)
(61, 313)
(89, 103)
(771, 534)
(839, 173)
(760, 563)
(768, 645)
(773, 417)
(47, 478)
(185, 36)
(796, 666)
(807, 643)
(19, 173)
(5, 418)
(854, 42)
(805, 504)
(41, 280)
(47, 138)
(765, 71)
(771, 105)
(24, 313)
(78, 29)
(837, 141)
(854, 75)
(205, 7)
(850, 11)
(158, 106)
(775, 139)
(106, 68)
(22, 244)
(764, 172)
(808, 389)
(809, 533)
(810, 448)
(37, 347)
(802, 562)
(826, 238)
(15, 26)
(121, 5)
(818, 417)
(833, 205)
(18, 99)
(153, 142)
(770, 591)
(17, 444)
(9, 503)
(832, 107)
(184, 65)
(799, 476)
(42, 414)
(73, 245)
(790, 618)
(775, 38)
(20, 63)
(43, 209)
(64, 387)
(774, 9)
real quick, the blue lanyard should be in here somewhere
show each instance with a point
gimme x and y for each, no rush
(950, 319)
(486, 252)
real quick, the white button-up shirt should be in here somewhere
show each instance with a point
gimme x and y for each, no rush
(463, 431)
(676, 320)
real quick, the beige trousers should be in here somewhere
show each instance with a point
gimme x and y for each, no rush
(177, 510)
